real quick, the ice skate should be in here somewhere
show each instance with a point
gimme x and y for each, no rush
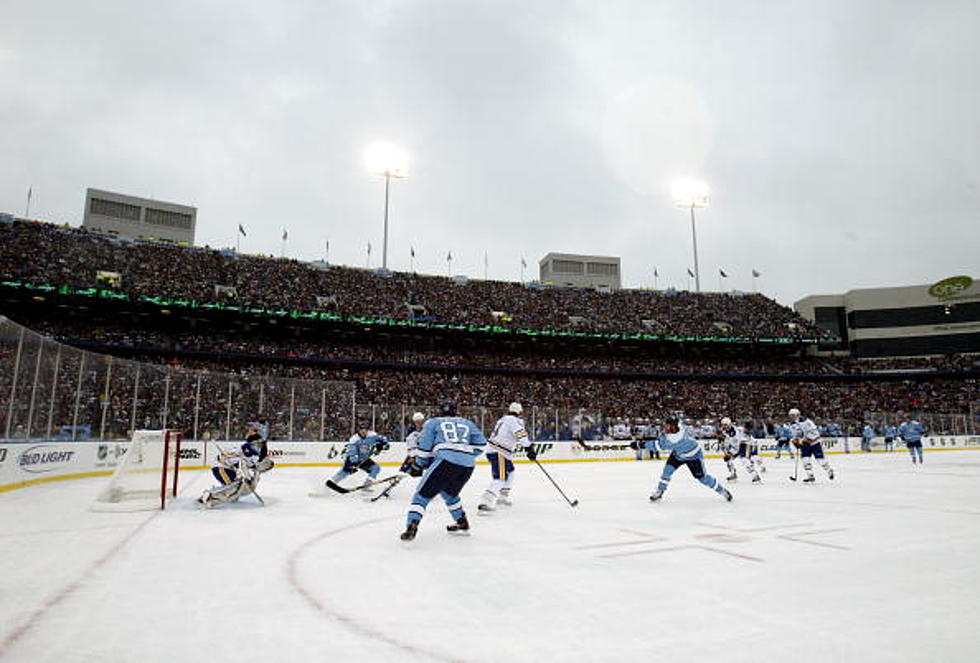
(809, 479)
(484, 510)
(410, 531)
(461, 526)
(726, 494)
(830, 474)
(732, 477)
(756, 479)
(655, 495)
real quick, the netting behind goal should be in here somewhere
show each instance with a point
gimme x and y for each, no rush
(147, 475)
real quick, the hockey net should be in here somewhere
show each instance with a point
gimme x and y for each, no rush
(147, 475)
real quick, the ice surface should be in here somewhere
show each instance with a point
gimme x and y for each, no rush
(882, 564)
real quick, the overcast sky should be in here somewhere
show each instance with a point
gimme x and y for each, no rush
(840, 139)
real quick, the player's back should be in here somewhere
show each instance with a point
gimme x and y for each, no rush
(456, 439)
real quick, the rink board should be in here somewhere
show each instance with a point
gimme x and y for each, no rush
(31, 463)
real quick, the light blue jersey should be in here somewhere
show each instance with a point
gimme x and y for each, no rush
(890, 431)
(683, 443)
(454, 439)
(868, 432)
(911, 431)
(359, 449)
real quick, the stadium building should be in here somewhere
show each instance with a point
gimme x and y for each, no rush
(580, 271)
(138, 218)
(938, 319)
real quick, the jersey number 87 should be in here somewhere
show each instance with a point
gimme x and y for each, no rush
(454, 432)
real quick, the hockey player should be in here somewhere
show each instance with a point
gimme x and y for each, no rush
(806, 437)
(738, 444)
(412, 441)
(360, 447)
(783, 434)
(509, 435)
(911, 432)
(684, 449)
(890, 433)
(238, 471)
(728, 441)
(446, 454)
(756, 433)
(867, 434)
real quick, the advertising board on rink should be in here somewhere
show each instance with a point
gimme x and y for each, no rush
(25, 464)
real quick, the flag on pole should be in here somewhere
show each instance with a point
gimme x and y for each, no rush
(523, 262)
(369, 248)
(285, 234)
(242, 230)
(412, 251)
(755, 274)
(690, 273)
(449, 256)
(656, 274)
(723, 274)
(30, 192)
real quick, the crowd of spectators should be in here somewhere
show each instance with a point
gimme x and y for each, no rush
(44, 253)
(253, 371)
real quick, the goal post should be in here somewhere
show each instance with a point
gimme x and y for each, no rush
(147, 476)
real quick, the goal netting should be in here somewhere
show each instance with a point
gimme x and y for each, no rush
(146, 476)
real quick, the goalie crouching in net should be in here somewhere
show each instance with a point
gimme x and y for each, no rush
(238, 471)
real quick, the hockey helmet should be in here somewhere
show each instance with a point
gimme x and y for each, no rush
(793, 412)
(725, 421)
(515, 408)
(418, 416)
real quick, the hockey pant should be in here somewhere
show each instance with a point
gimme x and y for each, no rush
(442, 478)
(810, 450)
(369, 466)
(502, 471)
(695, 465)
(915, 448)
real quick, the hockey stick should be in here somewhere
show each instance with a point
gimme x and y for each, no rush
(385, 493)
(541, 467)
(343, 491)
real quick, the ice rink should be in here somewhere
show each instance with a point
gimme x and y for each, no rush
(882, 564)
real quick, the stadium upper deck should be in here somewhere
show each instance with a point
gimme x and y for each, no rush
(36, 254)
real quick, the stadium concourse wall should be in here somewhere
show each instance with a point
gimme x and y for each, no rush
(24, 464)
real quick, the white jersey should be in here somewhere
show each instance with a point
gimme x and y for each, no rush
(412, 442)
(734, 436)
(621, 431)
(806, 431)
(508, 435)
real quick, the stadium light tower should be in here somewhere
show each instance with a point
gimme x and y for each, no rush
(690, 194)
(387, 161)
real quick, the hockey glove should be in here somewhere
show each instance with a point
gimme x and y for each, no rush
(635, 445)
(531, 453)
(381, 445)
(406, 464)
(415, 470)
(350, 466)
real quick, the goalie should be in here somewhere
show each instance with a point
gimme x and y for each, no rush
(238, 471)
